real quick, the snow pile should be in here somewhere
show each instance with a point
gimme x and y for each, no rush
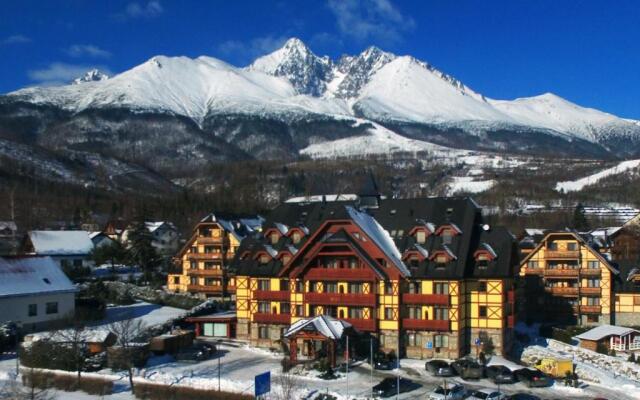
(577, 185)
(466, 184)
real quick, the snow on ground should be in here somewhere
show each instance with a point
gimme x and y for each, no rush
(577, 185)
(151, 314)
(466, 184)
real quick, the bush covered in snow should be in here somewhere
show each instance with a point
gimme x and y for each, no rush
(154, 391)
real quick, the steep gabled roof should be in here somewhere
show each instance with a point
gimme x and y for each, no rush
(22, 276)
(61, 242)
(325, 325)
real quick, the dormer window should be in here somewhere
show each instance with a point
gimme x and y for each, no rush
(296, 237)
(286, 258)
(273, 237)
(421, 236)
(441, 259)
(264, 259)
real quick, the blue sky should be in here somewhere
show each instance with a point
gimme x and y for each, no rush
(585, 51)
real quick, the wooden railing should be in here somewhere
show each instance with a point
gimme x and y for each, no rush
(352, 299)
(205, 288)
(212, 240)
(590, 272)
(417, 298)
(560, 290)
(265, 318)
(345, 274)
(205, 272)
(366, 325)
(205, 256)
(590, 290)
(511, 321)
(561, 254)
(276, 295)
(590, 309)
(561, 272)
(426, 324)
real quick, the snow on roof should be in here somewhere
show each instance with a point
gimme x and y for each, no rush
(32, 275)
(8, 225)
(604, 232)
(272, 252)
(89, 335)
(292, 249)
(324, 324)
(228, 226)
(422, 250)
(253, 223)
(602, 331)
(326, 197)
(61, 242)
(379, 236)
(448, 250)
(92, 235)
(487, 247)
(534, 231)
(281, 227)
(153, 226)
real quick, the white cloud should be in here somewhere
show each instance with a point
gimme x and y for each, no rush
(249, 50)
(16, 39)
(135, 9)
(365, 20)
(58, 73)
(87, 50)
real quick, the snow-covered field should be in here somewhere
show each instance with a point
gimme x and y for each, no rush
(579, 184)
(466, 184)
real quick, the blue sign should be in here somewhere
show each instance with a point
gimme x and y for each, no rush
(263, 384)
(429, 345)
(478, 342)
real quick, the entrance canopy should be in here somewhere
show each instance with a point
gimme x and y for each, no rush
(325, 325)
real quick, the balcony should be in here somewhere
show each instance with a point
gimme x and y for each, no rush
(416, 298)
(217, 289)
(212, 240)
(426, 324)
(562, 254)
(340, 274)
(561, 272)
(265, 318)
(562, 291)
(533, 271)
(205, 256)
(591, 291)
(365, 325)
(590, 309)
(275, 295)
(350, 299)
(590, 272)
(205, 272)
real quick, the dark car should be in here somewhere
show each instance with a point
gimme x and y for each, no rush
(468, 369)
(384, 363)
(500, 374)
(533, 378)
(196, 353)
(439, 368)
(387, 387)
(523, 396)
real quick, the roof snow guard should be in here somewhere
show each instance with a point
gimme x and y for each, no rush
(325, 325)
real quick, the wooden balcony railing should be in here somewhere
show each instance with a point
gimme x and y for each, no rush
(559, 290)
(591, 291)
(205, 256)
(426, 324)
(416, 298)
(561, 272)
(590, 272)
(205, 288)
(365, 325)
(511, 296)
(212, 240)
(205, 272)
(511, 321)
(265, 318)
(590, 309)
(275, 295)
(562, 254)
(351, 299)
(344, 274)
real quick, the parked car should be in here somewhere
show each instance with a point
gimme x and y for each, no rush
(384, 363)
(468, 369)
(196, 353)
(523, 396)
(388, 387)
(487, 394)
(454, 391)
(500, 374)
(533, 378)
(439, 368)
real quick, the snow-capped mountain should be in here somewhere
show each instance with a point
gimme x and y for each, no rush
(178, 111)
(93, 75)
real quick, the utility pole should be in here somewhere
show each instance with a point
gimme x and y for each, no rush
(398, 368)
(347, 367)
(372, 365)
(219, 356)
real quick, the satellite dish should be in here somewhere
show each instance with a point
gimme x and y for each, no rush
(486, 227)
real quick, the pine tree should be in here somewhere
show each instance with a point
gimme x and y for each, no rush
(580, 222)
(141, 251)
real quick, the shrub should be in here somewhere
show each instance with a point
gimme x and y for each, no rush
(561, 335)
(632, 358)
(286, 364)
(67, 382)
(154, 391)
(602, 349)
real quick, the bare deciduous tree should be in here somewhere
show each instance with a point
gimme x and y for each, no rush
(75, 340)
(128, 332)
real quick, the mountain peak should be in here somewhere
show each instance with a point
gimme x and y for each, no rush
(295, 43)
(93, 75)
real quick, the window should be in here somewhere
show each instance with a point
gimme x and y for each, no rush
(441, 314)
(388, 288)
(421, 237)
(264, 284)
(274, 238)
(212, 282)
(194, 249)
(193, 265)
(285, 308)
(356, 288)
(284, 285)
(296, 237)
(263, 332)
(414, 263)
(482, 311)
(382, 340)
(52, 308)
(412, 339)
(414, 312)
(299, 310)
(33, 310)
(264, 259)
(388, 313)
(414, 287)
(593, 283)
(441, 287)
(211, 265)
(356, 312)
(353, 263)
(441, 260)
(533, 264)
(440, 341)
(593, 301)
(593, 264)
(553, 246)
(572, 246)
(299, 286)
(447, 236)
(331, 311)
(194, 280)
(286, 258)
(176, 280)
(482, 286)
(331, 287)
(264, 307)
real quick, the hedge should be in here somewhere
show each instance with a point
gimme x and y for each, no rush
(67, 382)
(155, 391)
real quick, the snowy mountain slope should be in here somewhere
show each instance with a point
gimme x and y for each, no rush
(290, 100)
(579, 184)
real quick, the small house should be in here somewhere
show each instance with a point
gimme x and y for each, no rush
(67, 248)
(618, 338)
(96, 340)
